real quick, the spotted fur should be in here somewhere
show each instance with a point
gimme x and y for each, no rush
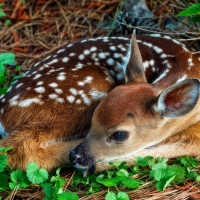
(55, 100)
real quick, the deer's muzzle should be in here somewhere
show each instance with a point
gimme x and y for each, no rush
(81, 160)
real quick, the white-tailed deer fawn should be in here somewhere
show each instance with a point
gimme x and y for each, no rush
(48, 112)
(156, 112)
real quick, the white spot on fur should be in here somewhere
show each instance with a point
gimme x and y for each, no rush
(78, 66)
(52, 62)
(163, 55)
(182, 78)
(112, 48)
(88, 79)
(86, 52)
(175, 41)
(41, 68)
(14, 100)
(81, 57)
(117, 55)
(102, 55)
(65, 59)
(37, 76)
(155, 35)
(157, 49)
(28, 102)
(93, 49)
(61, 77)
(53, 96)
(162, 75)
(151, 62)
(190, 62)
(60, 100)
(59, 91)
(36, 64)
(71, 98)
(147, 44)
(47, 58)
(53, 85)
(97, 94)
(110, 61)
(40, 89)
(69, 45)
(86, 100)
(167, 37)
(40, 83)
(73, 91)
(146, 65)
(50, 71)
(78, 101)
(60, 51)
(19, 85)
(72, 54)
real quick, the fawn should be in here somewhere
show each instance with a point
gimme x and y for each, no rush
(155, 113)
(48, 112)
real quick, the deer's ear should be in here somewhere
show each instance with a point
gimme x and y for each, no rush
(178, 99)
(134, 69)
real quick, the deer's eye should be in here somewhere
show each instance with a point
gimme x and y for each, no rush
(119, 135)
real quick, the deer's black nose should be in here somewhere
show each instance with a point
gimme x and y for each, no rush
(73, 157)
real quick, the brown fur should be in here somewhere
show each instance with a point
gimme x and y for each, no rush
(45, 132)
(159, 118)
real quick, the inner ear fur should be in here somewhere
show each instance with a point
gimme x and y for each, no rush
(178, 99)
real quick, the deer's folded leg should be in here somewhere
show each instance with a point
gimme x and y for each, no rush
(48, 154)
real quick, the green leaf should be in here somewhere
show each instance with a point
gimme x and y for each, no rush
(67, 196)
(2, 14)
(161, 185)
(7, 22)
(59, 183)
(2, 69)
(3, 182)
(78, 178)
(188, 161)
(122, 196)
(194, 18)
(157, 170)
(122, 172)
(19, 180)
(198, 178)
(5, 149)
(118, 164)
(131, 182)
(109, 172)
(192, 175)
(36, 175)
(194, 9)
(3, 90)
(143, 162)
(48, 190)
(109, 182)
(111, 196)
(94, 187)
(3, 162)
(7, 58)
(2, 79)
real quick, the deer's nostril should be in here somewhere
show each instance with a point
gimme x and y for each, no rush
(73, 157)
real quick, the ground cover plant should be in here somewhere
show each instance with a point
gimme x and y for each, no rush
(117, 184)
(25, 38)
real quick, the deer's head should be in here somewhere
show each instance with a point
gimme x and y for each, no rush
(134, 116)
